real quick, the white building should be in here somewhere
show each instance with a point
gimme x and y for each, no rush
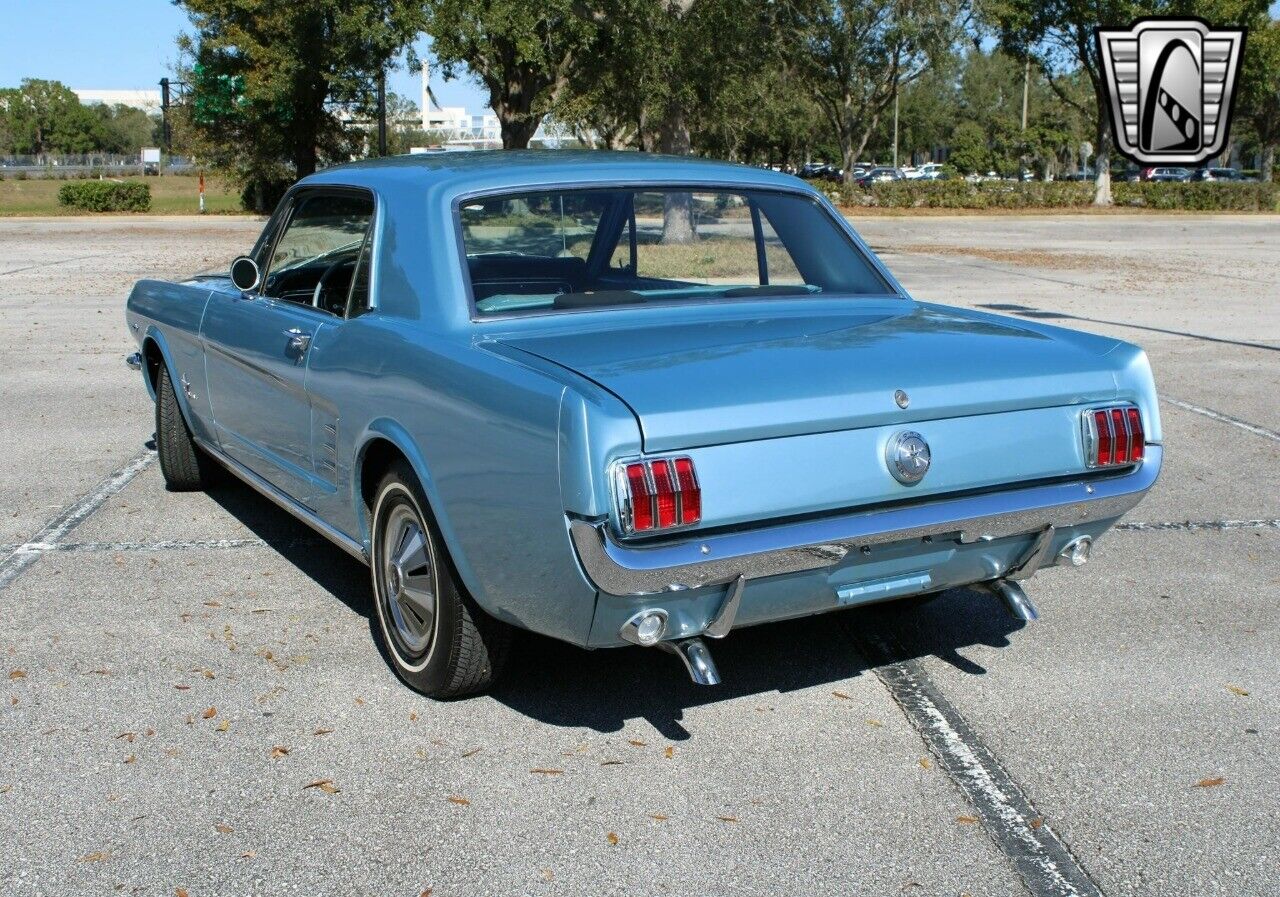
(146, 100)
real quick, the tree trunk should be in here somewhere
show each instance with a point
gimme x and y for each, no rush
(1268, 161)
(677, 212)
(305, 158)
(517, 129)
(1102, 158)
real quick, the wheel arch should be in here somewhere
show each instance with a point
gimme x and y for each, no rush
(155, 353)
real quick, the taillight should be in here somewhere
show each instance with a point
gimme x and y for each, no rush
(658, 495)
(1113, 436)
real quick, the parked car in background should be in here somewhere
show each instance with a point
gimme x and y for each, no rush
(930, 171)
(1166, 174)
(821, 171)
(489, 377)
(1216, 175)
(879, 176)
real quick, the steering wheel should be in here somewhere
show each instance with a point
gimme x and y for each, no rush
(319, 290)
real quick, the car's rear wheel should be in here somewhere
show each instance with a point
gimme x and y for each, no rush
(438, 639)
(185, 467)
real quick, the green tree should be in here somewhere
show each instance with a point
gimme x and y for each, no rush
(269, 80)
(859, 54)
(43, 117)
(125, 129)
(1259, 91)
(523, 53)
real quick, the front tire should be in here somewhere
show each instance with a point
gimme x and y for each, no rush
(185, 467)
(438, 639)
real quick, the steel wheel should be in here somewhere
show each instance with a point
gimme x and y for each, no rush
(408, 586)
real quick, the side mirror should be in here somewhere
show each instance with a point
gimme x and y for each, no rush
(244, 274)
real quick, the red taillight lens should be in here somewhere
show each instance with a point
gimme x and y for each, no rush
(641, 498)
(1104, 437)
(1139, 438)
(690, 494)
(666, 494)
(1121, 452)
(660, 494)
(1114, 436)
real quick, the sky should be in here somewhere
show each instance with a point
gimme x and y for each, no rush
(113, 45)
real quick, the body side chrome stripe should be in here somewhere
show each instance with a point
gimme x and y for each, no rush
(811, 545)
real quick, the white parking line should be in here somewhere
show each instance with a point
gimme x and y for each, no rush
(22, 556)
(1045, 864)
(1224, 418)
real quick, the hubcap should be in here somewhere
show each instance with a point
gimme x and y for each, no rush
(408, 593)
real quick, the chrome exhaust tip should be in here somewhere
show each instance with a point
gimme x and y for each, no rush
(695, 655)
(1015, 600)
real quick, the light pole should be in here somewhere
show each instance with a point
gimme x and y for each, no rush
(895, 124)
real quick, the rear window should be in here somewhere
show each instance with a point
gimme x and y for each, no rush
(557, 250)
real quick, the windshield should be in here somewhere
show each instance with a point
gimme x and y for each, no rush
(592, 248)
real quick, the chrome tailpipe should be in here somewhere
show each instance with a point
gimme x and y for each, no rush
(696, 657)
(1015, 600)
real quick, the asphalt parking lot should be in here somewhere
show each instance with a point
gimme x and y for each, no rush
(191, 701)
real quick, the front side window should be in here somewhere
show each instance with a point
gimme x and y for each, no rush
(557, 250)
(314, 260)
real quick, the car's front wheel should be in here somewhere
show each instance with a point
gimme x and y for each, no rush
(185, 467)
(439, 640)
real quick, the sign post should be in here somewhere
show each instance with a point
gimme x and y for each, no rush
(202, 192)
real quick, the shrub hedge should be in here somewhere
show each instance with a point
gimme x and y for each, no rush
(106, 196)
(960, 194)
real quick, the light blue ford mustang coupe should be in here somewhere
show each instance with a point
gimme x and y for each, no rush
(618, 398)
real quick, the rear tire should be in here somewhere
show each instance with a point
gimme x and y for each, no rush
(185, 467)
(438, 639)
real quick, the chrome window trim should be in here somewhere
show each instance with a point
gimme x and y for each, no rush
(858, 244)
(639, 569)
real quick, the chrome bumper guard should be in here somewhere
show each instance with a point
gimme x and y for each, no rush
(625, 570)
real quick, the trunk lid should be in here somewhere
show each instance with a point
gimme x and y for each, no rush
(711, 379)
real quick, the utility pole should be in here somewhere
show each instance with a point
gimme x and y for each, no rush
(1026, 83)
(382, 112)
(165, 133)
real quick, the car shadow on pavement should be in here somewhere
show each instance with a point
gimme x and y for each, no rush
(561, 685)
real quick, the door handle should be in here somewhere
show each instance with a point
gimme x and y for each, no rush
(299, 340)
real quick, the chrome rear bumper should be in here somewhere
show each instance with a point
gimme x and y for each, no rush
(624, 570)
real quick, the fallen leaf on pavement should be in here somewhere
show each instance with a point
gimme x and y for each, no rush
(426, 892)
(636, 742)
(471, 753)
(223, 828)
(967, 820)
(224, 725)
(180, 892)
(127, 736)
(460, 801)
(325, 785)
(17, 674)
(321, 731)
(874, 722)
(841, 695)
(1037, 822)
(612, 838)
(661, 817)
(210, 713)
(130, 759)
(182, 687)
(1210, 783)
(727, 818)
(279, 751)
(547, 772)
(1237, 690)
(96, 857)
(669, 752)
(926, 763)
(248, 854)
(610, 762)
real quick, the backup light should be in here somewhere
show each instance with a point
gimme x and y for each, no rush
(645, 628)
(1113, 436)
(657, 495)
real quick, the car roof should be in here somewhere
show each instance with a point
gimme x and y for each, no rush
(462, 172)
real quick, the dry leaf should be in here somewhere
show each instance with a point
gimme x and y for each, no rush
(548, 875)
(359, 702)
(325, 785)
(1037, 822)
(208, 674)
(1237, 690)
(612, 838)
(413, 716)
(17, 674)
(210, 713)
(321, 731)
(636, 742)
(669, 752)
(874, 722)
(547, 772)
(180, 892)
(1210, 783)
(100, 672)
(841, 695)
(223, 828)
(926, 763)
(727, 818)
(127, 736)
(460, 801)
(426, 892)
(248, 854)
(96, 857)
(661, 817)
(130, 759)
(610, 762)
(967, 820)
(471, 753)
(182, 687)
(224, 725)
(279, 751)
